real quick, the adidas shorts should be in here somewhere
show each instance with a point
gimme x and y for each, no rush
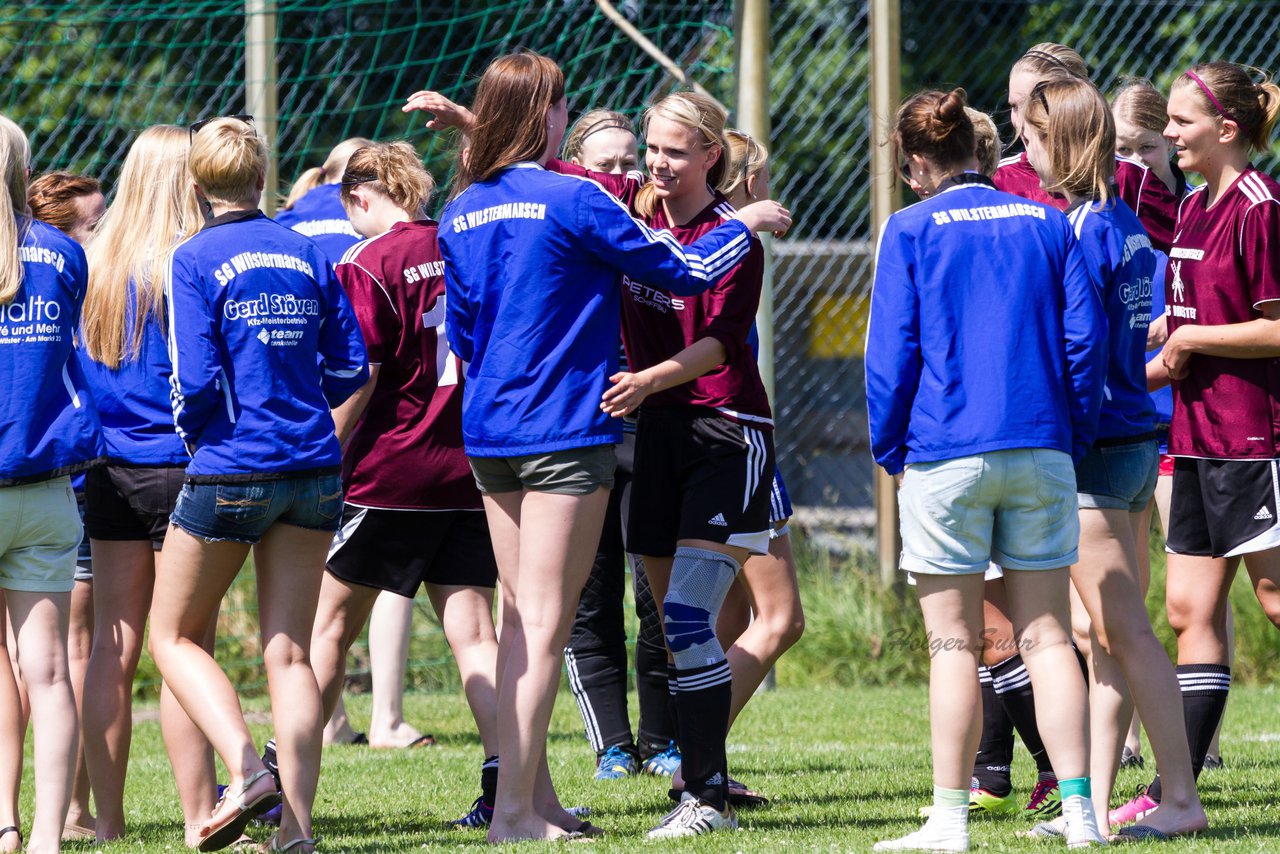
(699, 476)
(399, 550)
(1223, 508)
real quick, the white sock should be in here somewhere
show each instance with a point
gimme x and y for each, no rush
(946, 830)
(1082, 823)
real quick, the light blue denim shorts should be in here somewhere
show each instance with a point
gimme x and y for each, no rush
(1119, 477)
(1016, 508)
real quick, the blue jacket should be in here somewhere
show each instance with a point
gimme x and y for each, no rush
(531, 277)
(320, 215)
(133, 400)
(48, 424)
(263, 342)
(1123, 263)
(1161, 399)
(986, 331)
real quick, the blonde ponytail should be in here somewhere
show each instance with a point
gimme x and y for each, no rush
(15, 154)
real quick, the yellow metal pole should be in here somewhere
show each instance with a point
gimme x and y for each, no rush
(886, 196)
(753, 118)
(260, 86)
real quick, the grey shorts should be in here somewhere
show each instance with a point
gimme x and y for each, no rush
(575, 471)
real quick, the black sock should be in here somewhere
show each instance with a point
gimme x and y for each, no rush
(1012, 684)
(1204, 698)
(656, 728)
(995, 751)
(703, 697)
(489, 781)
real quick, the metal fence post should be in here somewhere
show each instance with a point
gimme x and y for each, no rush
(753, 118)
(886, 85)
(260, 86)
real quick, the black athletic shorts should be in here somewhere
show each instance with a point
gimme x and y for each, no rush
(398, 550)
(699, 476)
(131, 502)
(1224, 508)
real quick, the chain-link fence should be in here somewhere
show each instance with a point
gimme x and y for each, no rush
(84, 78)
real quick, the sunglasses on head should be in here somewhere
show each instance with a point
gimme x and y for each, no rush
(195, 127)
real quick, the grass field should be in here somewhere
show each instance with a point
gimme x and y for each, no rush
(845, 767)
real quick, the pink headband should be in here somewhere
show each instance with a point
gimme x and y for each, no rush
(1226, 114)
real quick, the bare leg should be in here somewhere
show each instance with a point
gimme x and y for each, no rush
(389, 628)
(11, 738)
(1039, 609)
(79, 643)
(952, 606)
(1127, 657)
(191, 580)
(466, 614)
(341, 614)
(544, 571)
(40, 622)
(290, 565)
(121, 605)
(779, 620)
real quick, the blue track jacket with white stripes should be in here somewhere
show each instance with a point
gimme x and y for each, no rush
(532, 264)
(263, 342)
(986, 331)
(48, 424)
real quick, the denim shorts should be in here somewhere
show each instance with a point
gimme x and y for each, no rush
(1119, 477)
(242, 512)
(1014, 507)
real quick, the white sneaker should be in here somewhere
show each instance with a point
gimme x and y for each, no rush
(926, 839)
(694, 817)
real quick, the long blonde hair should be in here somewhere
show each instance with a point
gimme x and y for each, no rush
(15, 155)
(155, 207)
(699, 113)
(1079, 133)
(330, 172)
(746, 158)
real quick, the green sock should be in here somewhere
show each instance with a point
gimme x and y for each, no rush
(1075, 786)
(945, 798)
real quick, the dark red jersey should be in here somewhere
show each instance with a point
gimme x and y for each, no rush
(657, 324)
(1144, 192)
(1224, 263)
(406, 453)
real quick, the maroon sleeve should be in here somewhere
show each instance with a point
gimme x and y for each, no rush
(1258, 232)
(623, 187)
(729, 308)
(379, 322)
(1132, 180)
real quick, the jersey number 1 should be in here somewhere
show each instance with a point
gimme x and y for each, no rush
(446, 362)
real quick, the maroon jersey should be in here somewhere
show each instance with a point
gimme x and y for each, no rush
(1144, 193)
(1222, 266)
(657, 324)
(406, 452)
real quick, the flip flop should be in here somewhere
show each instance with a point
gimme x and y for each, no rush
(359, 740)
(427, 740)
(273, 844)
(75, 833)
(1140, 833)
(221, 836)
(1043, 830)
(587, 829)
(13, 828)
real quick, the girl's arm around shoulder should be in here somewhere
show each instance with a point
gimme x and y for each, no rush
(607, 232)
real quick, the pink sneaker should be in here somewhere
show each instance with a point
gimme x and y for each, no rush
(1135, 810)
(1045, 802)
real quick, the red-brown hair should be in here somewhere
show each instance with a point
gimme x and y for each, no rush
(512, 101)
(934, 125)
(53, 195)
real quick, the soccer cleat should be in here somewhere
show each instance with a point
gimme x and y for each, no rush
(1045, 802)
(615, 763)
(982, 802)
(927, 839)
(1129, 759)
(1212, 763)
(663, 763)
(1135, 810)
(480, 816)
(694, 817)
